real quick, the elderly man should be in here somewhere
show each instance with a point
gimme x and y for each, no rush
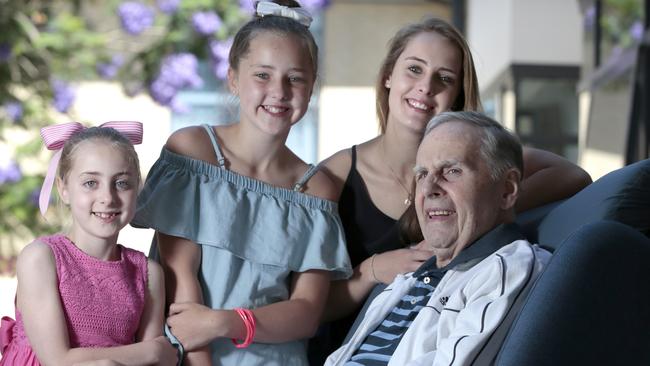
(454, 309)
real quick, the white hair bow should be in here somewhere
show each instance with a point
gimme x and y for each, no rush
(300, 15)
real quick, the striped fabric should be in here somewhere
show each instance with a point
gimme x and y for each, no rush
(380, 345)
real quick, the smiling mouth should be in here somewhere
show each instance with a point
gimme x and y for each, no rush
(439, 213)
(418, 105)
(274, 109)
(106, 215)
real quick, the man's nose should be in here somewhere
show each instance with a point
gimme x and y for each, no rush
(431, 186)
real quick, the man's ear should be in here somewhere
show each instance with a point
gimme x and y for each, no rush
(512, 185)
(232, 81)
(63, 191)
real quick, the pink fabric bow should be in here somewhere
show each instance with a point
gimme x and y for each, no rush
(56, 136)
(6, 333)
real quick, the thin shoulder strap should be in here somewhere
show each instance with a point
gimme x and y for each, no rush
(305, 177)
(354, 156)
(213, 137)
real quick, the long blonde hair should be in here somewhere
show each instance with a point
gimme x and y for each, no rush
(467, 99)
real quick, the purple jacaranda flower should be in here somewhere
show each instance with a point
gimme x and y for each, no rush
(108, 70)
(247, 6)
(220, 69)
(590, 17)
(219, 50)
(14, 110)
(314, 6)
(636, 31)
(135, 17)
(9, 172)
(206, 22)
(63, 96)
(168, 6)
(177, 71)
(181, 71)
(162, 92)
(34, 197)
(179, 107)
(5, 51)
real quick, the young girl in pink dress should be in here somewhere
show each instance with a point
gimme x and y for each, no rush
(81, 297)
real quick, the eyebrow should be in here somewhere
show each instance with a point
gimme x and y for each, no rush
(264, 66)
(417, 169)
(100, 174)
(414, 58)
(443, 164)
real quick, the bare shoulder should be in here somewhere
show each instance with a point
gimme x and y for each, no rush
(322, 186)
(34, 256)
(35, 268)
(192, 142)
(336, 168)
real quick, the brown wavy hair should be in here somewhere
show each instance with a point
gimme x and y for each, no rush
(467, 99)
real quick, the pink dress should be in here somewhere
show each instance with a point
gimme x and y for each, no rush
(102, 301)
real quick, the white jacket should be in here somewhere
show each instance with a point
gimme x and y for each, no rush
(467, 316)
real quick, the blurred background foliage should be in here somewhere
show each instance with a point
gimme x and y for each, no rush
(148, 46)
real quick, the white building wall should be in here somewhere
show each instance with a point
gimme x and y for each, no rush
(547, 32)
(503, 32)
(489, 31)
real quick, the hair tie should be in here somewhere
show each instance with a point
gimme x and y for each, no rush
(55, 138)
(300, 15)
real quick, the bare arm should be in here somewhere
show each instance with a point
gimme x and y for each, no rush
(38, 301)
(547, 178)
(153, 316)
(181, 260)
(296, 318)
(348, 295)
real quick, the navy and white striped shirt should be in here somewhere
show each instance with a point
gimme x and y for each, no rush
(380, 345)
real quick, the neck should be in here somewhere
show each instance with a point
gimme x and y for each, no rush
(102, 249)
(257, 150)
(400, 148)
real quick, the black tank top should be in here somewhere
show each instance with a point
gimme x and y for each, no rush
(367, 231)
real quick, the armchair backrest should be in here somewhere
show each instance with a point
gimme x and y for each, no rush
(591, 306)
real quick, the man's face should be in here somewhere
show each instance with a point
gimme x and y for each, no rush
(456, 199)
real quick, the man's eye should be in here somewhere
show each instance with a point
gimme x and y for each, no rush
(453, 172)
(123, 184)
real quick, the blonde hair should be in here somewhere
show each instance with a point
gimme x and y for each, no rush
(110, 135)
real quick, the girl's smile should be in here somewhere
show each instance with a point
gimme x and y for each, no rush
(424, 81)
(274, 82)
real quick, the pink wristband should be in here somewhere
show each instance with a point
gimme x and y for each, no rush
(249, 322)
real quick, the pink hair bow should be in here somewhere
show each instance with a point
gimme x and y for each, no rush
(56, 136)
